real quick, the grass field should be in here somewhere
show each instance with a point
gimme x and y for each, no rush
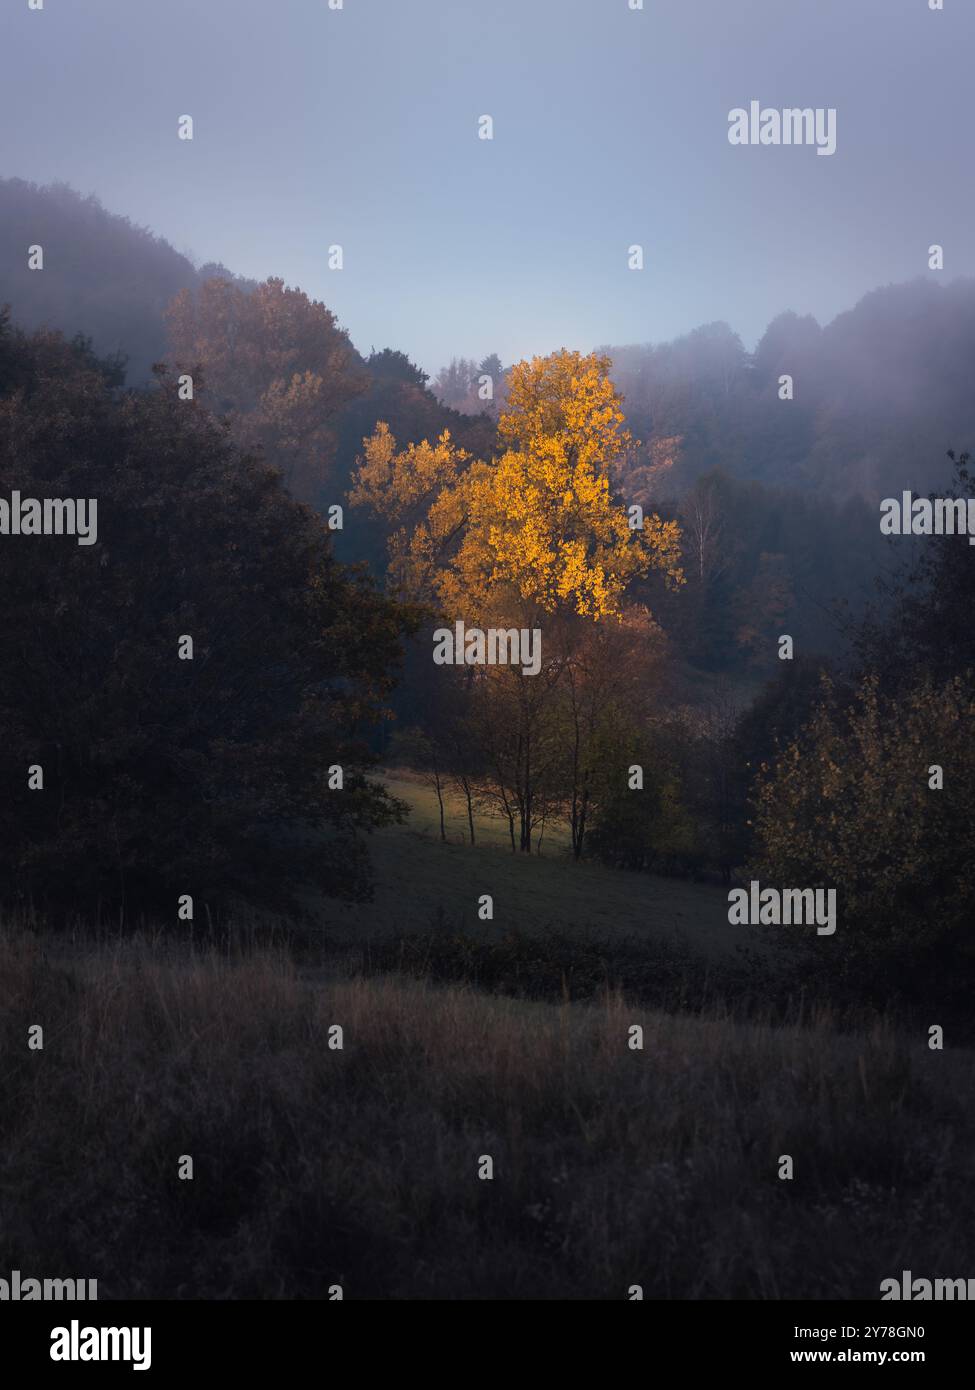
(417, 876)
(314, 1166)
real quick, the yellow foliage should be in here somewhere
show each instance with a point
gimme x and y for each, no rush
(538, 524)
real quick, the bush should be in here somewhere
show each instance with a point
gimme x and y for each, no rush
(849, 806)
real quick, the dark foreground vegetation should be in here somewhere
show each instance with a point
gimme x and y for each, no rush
(315, 1166)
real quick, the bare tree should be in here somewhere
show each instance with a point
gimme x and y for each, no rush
(704, 531)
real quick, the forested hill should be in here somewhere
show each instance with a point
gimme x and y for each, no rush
(776, 498)
(112, 281)
(103, 275)
(879, 394)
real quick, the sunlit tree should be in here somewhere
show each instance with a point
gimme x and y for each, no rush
(276, 364)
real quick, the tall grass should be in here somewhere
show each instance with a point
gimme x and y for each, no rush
(314, 1166)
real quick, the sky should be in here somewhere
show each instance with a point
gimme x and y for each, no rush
(358, 127)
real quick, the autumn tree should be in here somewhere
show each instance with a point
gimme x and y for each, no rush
(875, 799)
(419, 494)
(534, 538)
(276, 364)
(538, 526)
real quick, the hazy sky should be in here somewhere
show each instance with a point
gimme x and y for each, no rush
(359, 127)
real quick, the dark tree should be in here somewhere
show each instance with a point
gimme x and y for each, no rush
(165, 776)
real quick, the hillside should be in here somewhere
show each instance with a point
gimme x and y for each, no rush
(879, 393)
(417, 877)
(103, 276)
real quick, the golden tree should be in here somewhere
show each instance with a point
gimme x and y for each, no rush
(420, 494)
(538, 527)
(533, 538)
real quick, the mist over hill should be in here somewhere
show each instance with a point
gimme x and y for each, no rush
(878, 395)
(103, 275)
(112, 281)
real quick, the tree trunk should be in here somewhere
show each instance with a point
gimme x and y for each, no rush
(470, 810)
(439, 787)
(579, 832)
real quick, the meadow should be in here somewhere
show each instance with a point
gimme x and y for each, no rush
(314, 1166)
(420, 880)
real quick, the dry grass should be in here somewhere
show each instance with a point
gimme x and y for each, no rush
(315, 1166)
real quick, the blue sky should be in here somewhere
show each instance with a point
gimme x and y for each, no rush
(359, 127)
